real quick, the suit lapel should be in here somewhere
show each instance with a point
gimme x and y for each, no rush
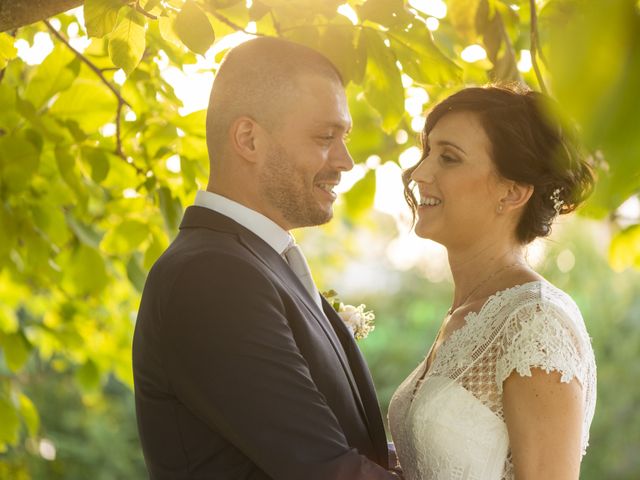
(280, 267)
(337, 333)
(363, 381)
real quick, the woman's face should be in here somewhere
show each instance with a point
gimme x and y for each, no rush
(459, 187)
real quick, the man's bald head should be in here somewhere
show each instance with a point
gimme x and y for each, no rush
(259, 79)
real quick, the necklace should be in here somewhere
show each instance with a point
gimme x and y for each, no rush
(482, 283)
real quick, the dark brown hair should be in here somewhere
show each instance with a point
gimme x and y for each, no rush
(529, 145)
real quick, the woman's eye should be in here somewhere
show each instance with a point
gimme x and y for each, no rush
(448, 159)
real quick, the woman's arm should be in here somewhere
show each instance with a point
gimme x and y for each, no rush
(544, 421)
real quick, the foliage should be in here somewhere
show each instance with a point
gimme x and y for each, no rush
(89, 138)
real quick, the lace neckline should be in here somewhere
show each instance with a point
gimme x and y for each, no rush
(497, 294)
(468, 320)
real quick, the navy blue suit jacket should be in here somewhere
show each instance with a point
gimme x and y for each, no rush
(239, 375)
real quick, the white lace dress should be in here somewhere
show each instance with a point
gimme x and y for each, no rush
(454, 429)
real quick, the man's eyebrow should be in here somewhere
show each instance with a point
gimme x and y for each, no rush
(450, 144)
(346, 127)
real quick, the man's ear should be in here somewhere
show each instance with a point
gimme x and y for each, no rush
(243, 135)
(516, 196)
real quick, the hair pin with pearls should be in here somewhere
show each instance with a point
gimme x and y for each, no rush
(557, 201)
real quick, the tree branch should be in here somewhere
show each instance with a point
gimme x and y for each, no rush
(114, 90)
(144, 12)
(235, 26)
(535, 45)
(18, 13)
(87, 62)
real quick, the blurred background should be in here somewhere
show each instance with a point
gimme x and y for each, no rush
(102, 146)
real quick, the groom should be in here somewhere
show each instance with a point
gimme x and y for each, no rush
(241, 369)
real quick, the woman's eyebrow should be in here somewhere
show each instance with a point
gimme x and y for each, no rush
(450, 144)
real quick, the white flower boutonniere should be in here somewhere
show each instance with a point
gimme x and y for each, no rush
(358, 320)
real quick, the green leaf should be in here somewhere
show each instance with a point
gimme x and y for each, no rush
(193, 28)
(55, 74)
(88, 376)
(88, 102)
(7, 243)
(19, 160)
(463, 15)
(7, 50)
(153, 7)
(99, 162)
(16, 350)
(135, 273)
(86, 270)
(235, 12)
(51, 222)
(9, 422)
(66, 161)
(127, 41)
(258, 10)
(338, 45)
(624, 250)
(360, 60)
(359, 199)
(383, 87)
(29, 414)
(192, 124)
(100, 16)
(368, 139)
(45, 124)
(154, 251)
(158, 137)
(309, 37)
(385, 12)
(171, 209)
(8, 318)
(126, 237)
(420, 57)
(165, 26)
(86, 233)
(9, 117)
(595, 71)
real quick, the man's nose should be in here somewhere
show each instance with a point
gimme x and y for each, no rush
(342, 158)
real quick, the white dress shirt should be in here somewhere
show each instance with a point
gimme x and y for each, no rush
(269, 231)
(265, 228)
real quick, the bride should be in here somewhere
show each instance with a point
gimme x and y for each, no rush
(507, 390)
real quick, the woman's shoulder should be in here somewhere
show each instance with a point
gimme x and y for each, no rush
(543, 310)
(539, 296)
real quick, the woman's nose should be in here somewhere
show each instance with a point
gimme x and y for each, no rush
(423, 173)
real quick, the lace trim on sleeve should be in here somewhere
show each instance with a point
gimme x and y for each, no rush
(539, 335)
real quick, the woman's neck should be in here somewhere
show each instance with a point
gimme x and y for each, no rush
(478, 268)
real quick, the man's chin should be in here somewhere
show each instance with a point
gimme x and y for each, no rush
(318, 217)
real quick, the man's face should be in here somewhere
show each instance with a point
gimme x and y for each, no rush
(306, 155)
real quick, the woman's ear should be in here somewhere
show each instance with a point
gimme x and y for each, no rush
(515, 197)
(243, 135)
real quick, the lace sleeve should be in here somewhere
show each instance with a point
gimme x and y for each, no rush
(541, 335)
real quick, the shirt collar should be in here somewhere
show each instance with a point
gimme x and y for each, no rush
(269, 231)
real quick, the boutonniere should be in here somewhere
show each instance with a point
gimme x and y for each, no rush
(358, 320)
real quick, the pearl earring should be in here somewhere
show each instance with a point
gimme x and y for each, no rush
(499, 209)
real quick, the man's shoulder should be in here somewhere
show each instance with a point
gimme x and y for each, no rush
(199, 249)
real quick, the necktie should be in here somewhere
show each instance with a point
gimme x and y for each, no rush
(295, 258)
